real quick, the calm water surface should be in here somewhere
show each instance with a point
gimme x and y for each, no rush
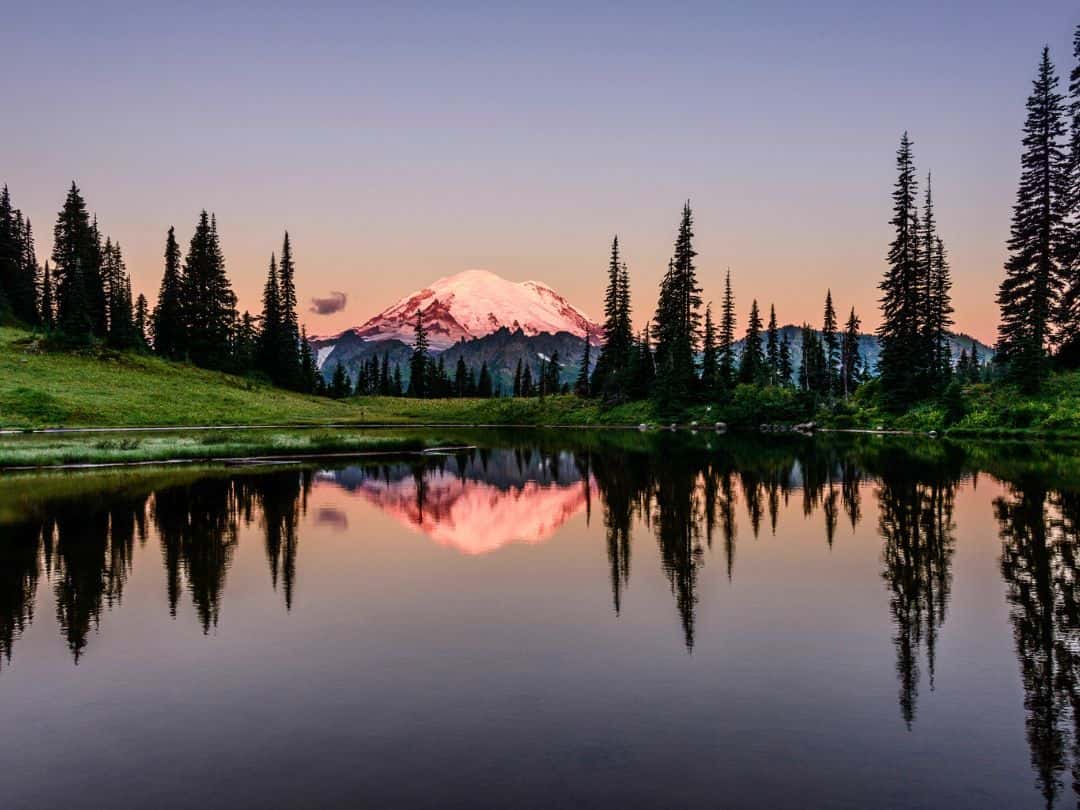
(550, 620)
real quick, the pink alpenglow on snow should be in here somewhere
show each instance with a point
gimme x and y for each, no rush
(472, 517)
(476, 303)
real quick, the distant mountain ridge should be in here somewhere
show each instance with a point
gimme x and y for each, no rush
(482, 318)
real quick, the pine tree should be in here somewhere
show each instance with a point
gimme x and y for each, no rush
(77, 271)
(1068, 315)
(48, 301)
(772, 348)
(678, 320)
(289, 335)
(609, 375)
(384, 375)
(726, 344)
(785, 366)
(517, 379)
(270, 335)
(209, 302)
(339, 384)
(527, 382)
(709, 367)
(1029, 294)
(901, 357)
(461, 376)
(941, 289)
(752, 366)
(849, 355)
(142, 319)
(168, 323)
(246, 343)
(581, 385)
(483, 385)
(419, 361)
(830, 339)
(398, 387)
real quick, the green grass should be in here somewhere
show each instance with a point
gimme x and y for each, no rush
(988, 410)
(48, 450)
(100, 388)
(40, 388)
(555, 410)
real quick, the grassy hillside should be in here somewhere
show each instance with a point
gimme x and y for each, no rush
(101, 388)
(988, 410)
(39, 388)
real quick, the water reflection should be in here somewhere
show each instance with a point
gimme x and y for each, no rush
(682, 499)
(1040, 531)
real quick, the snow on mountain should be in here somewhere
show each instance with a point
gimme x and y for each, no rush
(476, 303)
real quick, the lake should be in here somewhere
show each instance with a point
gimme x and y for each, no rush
(550, 619)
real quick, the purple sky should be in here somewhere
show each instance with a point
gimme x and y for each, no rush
(402, 143)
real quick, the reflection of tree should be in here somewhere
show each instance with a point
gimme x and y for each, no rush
(281, 497)
(20, 568)
(916, 524)
(197, 525)
(88, 571)
(1039, 564)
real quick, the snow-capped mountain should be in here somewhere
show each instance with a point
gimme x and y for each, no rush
(473, 304)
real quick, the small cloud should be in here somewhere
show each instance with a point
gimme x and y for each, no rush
(335, 302)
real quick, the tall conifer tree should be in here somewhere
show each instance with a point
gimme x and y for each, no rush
(772, 347)
(726, 342)
(709, 366)
(167, 323)
(1029, 294)
(901, 356)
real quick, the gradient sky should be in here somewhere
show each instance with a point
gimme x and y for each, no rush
(399, 143)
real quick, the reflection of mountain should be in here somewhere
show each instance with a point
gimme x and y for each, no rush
(475, 503)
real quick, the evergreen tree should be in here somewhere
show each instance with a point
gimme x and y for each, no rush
(527, 382)
(678, 320)
(849, 355)
(785, 366)
(483, 385)
(901, 357)
(709, 367)
(609, 375)
(80, 294)
(726, 344)
(270, 337)
(1029, 294)
(1068, 315)
(461, 376)
(517, 379)
(209, 303)
(246, 344)
(830, 339)
(288, 371)
(48, 301)
(937, 299)
(553, 370)
(398, 387)
(772, 348)
(19, 271)
(581, 385)
(752, 366)
(168, 323)
(385, 380)
(419, 361)
(339, 384)
(142, 319)
(941, 312)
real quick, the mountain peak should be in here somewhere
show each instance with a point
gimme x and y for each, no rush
(475, 303)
